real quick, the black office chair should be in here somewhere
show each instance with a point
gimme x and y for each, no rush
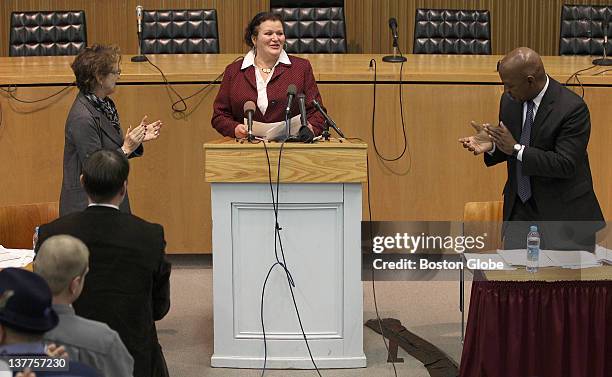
(446, 31)
(189, 31)
(313, 26)
(47, 33)
(582, 29)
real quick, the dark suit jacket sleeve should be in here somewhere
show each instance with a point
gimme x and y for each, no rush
(222, 119)
(161, 283)
(568, 152)
(497, 156)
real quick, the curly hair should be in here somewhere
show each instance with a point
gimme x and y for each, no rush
(253, 27)
(94, 61)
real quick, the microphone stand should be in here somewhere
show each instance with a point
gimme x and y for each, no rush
(140, 57)
(326, 134)
(605, 61)
(395, 58)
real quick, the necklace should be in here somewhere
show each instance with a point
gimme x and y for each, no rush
(265, 70)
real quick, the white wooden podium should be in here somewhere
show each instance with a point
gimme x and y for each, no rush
(320, 213)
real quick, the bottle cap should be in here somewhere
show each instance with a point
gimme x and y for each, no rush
(533, 228)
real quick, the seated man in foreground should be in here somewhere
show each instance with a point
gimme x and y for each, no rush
(128, 285)
(63, 261)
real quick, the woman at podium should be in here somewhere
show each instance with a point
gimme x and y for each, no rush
(263, 76)
(93, 123)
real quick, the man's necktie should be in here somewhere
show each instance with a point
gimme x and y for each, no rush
(524, 184)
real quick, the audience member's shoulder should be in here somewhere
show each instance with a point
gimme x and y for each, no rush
(94, 336)
(66, 219)
(142, 222)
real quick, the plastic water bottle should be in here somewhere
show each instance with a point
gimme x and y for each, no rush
(533, 249)
(35, 238)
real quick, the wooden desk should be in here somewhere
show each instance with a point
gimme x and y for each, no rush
(432, 181)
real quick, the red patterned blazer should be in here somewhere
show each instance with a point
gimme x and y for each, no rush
(239, 86)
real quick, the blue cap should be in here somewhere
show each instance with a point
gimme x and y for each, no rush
(25, 301)
(533, 228)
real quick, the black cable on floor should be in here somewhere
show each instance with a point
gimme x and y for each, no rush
(371, 235)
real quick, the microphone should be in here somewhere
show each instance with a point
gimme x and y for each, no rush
(139, 18)
(291, 90)
(305, 134)
(393, 26)
(302, 102)
(605, 61)
(249, 111)
(140, 57)
(394, 58)
(329, 120)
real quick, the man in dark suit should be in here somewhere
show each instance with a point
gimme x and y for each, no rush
(128, 283)
(542, 136)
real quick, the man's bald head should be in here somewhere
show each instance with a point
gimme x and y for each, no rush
(522, 73)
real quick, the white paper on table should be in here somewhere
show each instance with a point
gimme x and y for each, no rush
(15, 257)
(572, 258)
(489, 258)
(603, 254)
(276, 130)
(518, 257)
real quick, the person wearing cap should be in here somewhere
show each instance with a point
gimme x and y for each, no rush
(128, 284)
(25, 315)
(63, 261)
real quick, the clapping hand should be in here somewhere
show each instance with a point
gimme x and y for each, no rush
(133, 139)
(502, 137)
(152, 130)
(480, 142)
(143, 133)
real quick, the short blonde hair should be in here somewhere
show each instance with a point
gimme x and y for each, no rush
(59, 260)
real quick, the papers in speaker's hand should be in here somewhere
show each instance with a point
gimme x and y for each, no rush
(15, 257)
(553, 258)
(276, 130)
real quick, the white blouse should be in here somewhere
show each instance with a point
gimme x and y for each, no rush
(262, 85)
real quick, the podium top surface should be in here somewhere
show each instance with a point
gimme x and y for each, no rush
(231, 161)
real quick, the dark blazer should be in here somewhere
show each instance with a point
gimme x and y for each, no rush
(239, 86)
(87, 130)
(128, 284)
(556, 159)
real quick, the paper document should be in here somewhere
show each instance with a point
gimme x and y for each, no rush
(552, 258)
(488, 259)
(15, 257)
(603, 254)
(572, 258)
(276, 130)
(518, 257)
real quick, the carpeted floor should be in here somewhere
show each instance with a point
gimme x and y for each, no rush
(428, 309)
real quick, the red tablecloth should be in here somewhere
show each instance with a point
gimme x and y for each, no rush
(543, 329)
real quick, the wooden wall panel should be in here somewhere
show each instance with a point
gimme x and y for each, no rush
(114, 21)
(533, 23)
